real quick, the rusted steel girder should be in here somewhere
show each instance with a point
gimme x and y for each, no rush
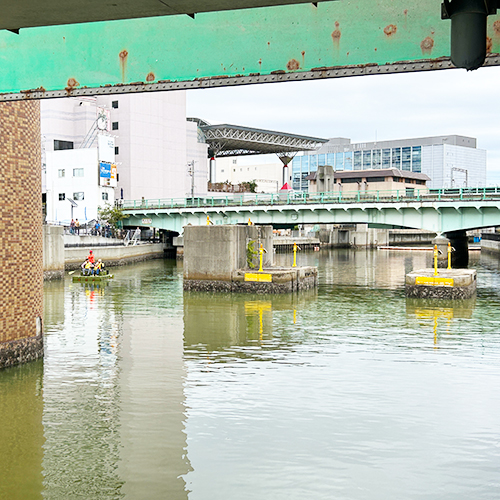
(273, 44)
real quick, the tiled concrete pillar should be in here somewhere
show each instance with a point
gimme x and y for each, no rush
(21, 272)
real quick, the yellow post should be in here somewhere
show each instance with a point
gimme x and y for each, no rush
(261, 252)
(449, 255)
(294, 255)
(208, 220)
(294, 316)
(435, 260)
(249, 221)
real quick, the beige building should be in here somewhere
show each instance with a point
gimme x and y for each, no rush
(387, 182)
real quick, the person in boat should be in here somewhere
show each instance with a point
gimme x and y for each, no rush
(91, 257)
(88, 269)
(99, 267)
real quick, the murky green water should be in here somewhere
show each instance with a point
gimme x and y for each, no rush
(350, 392)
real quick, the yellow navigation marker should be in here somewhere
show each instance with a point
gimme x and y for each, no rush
(268, 278)
(295, 248)
(431, 280)
(435, 260)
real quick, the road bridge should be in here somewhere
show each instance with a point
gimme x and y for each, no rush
(441, 212)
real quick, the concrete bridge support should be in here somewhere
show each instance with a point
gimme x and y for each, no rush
(21, 279)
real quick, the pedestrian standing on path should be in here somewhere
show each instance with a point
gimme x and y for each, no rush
(77, 226)
(72, 227)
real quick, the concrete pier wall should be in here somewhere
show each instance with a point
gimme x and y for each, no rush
(53, 252)
(229, 250)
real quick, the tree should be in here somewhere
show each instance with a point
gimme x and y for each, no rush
(111, 215)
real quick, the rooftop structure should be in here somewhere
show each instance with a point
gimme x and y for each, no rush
(233, 140)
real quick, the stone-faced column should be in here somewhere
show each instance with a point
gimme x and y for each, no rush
(21, 274)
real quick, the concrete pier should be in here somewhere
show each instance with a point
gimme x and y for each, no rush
(226, 259)
(450, 284)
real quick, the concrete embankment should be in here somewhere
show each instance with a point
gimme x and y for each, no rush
(114, 255)
(64, 252)
(490, 243)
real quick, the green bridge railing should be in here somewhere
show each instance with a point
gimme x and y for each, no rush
(302, 197)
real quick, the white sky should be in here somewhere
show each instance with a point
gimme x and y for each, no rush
(366, 108)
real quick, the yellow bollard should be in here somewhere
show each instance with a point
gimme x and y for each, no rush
(261, 252)
(294, 255)
(294, 316)
(449, 255)
(250, 222)
(435, 260)
(208, 220)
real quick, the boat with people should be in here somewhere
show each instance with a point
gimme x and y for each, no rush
(92, 270)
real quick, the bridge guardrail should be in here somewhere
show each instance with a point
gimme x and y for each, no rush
(295, 198)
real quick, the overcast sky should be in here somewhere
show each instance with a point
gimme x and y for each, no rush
(366, 108)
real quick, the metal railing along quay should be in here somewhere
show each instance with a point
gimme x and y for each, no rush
(296, 198)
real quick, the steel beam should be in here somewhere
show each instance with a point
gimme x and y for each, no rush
(272, 44)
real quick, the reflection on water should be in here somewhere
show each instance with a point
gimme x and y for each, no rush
(351, 391)
(21, 432)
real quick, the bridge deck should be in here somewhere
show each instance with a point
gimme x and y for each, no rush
(440, 211)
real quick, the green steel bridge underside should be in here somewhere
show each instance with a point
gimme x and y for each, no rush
(438, 212)
(53, 49)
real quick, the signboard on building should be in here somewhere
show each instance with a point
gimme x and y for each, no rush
(107, 166)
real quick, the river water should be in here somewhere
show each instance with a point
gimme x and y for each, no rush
(347, 392)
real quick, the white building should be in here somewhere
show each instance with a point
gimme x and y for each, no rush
(155, 150)
(236, 170)
(154, 144)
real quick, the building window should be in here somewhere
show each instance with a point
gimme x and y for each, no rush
(61, 172)
(62, 196)
(105, 196)
(60, 145)
(357, 160)
(222, 171)
(114, 104)
(376, 158)
(386, 158)
(376, 179)
(367, 159)
(406, 159)
(78, 172)
(416, 159)
(396, 158)
(117, 150)
(347, 161)
(114, 125)
(78, 196)
(234, 162)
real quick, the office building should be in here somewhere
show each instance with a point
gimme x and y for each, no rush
(449, 161)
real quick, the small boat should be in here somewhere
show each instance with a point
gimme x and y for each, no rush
(92, 278)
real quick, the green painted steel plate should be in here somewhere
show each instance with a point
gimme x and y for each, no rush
(283, 43)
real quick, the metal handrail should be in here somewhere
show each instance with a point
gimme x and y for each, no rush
(305, 198)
